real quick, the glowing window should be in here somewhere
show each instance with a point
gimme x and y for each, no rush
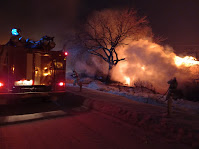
(59, 65)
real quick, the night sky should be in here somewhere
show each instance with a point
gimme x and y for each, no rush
(175, 20)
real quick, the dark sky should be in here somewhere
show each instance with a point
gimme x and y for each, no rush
(176, 20)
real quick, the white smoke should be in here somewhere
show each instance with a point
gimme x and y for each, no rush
(149, 62)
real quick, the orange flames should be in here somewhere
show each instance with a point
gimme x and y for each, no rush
(153, 63)
(128, 80)
(186, 61)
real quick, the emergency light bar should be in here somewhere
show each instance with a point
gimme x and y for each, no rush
(15, 32)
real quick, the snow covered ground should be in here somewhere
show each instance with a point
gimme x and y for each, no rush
(142, 95)
(145, 110)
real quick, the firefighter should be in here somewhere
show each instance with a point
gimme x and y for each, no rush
(173, 84)
(76, 77)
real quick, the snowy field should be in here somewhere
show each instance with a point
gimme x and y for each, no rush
(141, 95)
(181, 127)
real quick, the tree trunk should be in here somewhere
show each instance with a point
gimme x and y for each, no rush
(108, 78)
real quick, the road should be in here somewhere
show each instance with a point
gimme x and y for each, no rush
(79, 128)
(80, 131)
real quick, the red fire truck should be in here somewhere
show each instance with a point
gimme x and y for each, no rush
(28, 66)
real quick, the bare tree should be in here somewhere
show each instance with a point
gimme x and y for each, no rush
(106, 30)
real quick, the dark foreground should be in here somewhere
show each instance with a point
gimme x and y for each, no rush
(71, 125)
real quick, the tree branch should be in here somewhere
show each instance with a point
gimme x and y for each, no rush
(98, 54)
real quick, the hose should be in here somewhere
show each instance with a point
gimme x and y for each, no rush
(164, 94)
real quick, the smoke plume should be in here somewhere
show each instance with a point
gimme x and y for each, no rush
(150, 62)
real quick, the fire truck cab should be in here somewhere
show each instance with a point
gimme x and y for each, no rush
(27, 69)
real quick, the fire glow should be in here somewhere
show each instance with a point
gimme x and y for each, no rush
(128, 81)
(149, 62)
(186, 61)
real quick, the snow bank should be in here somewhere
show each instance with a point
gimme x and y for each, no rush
(155, 121)
(149, 117)
(144, 96)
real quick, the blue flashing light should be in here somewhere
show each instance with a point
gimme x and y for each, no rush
(15, 32)
(20, 38)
